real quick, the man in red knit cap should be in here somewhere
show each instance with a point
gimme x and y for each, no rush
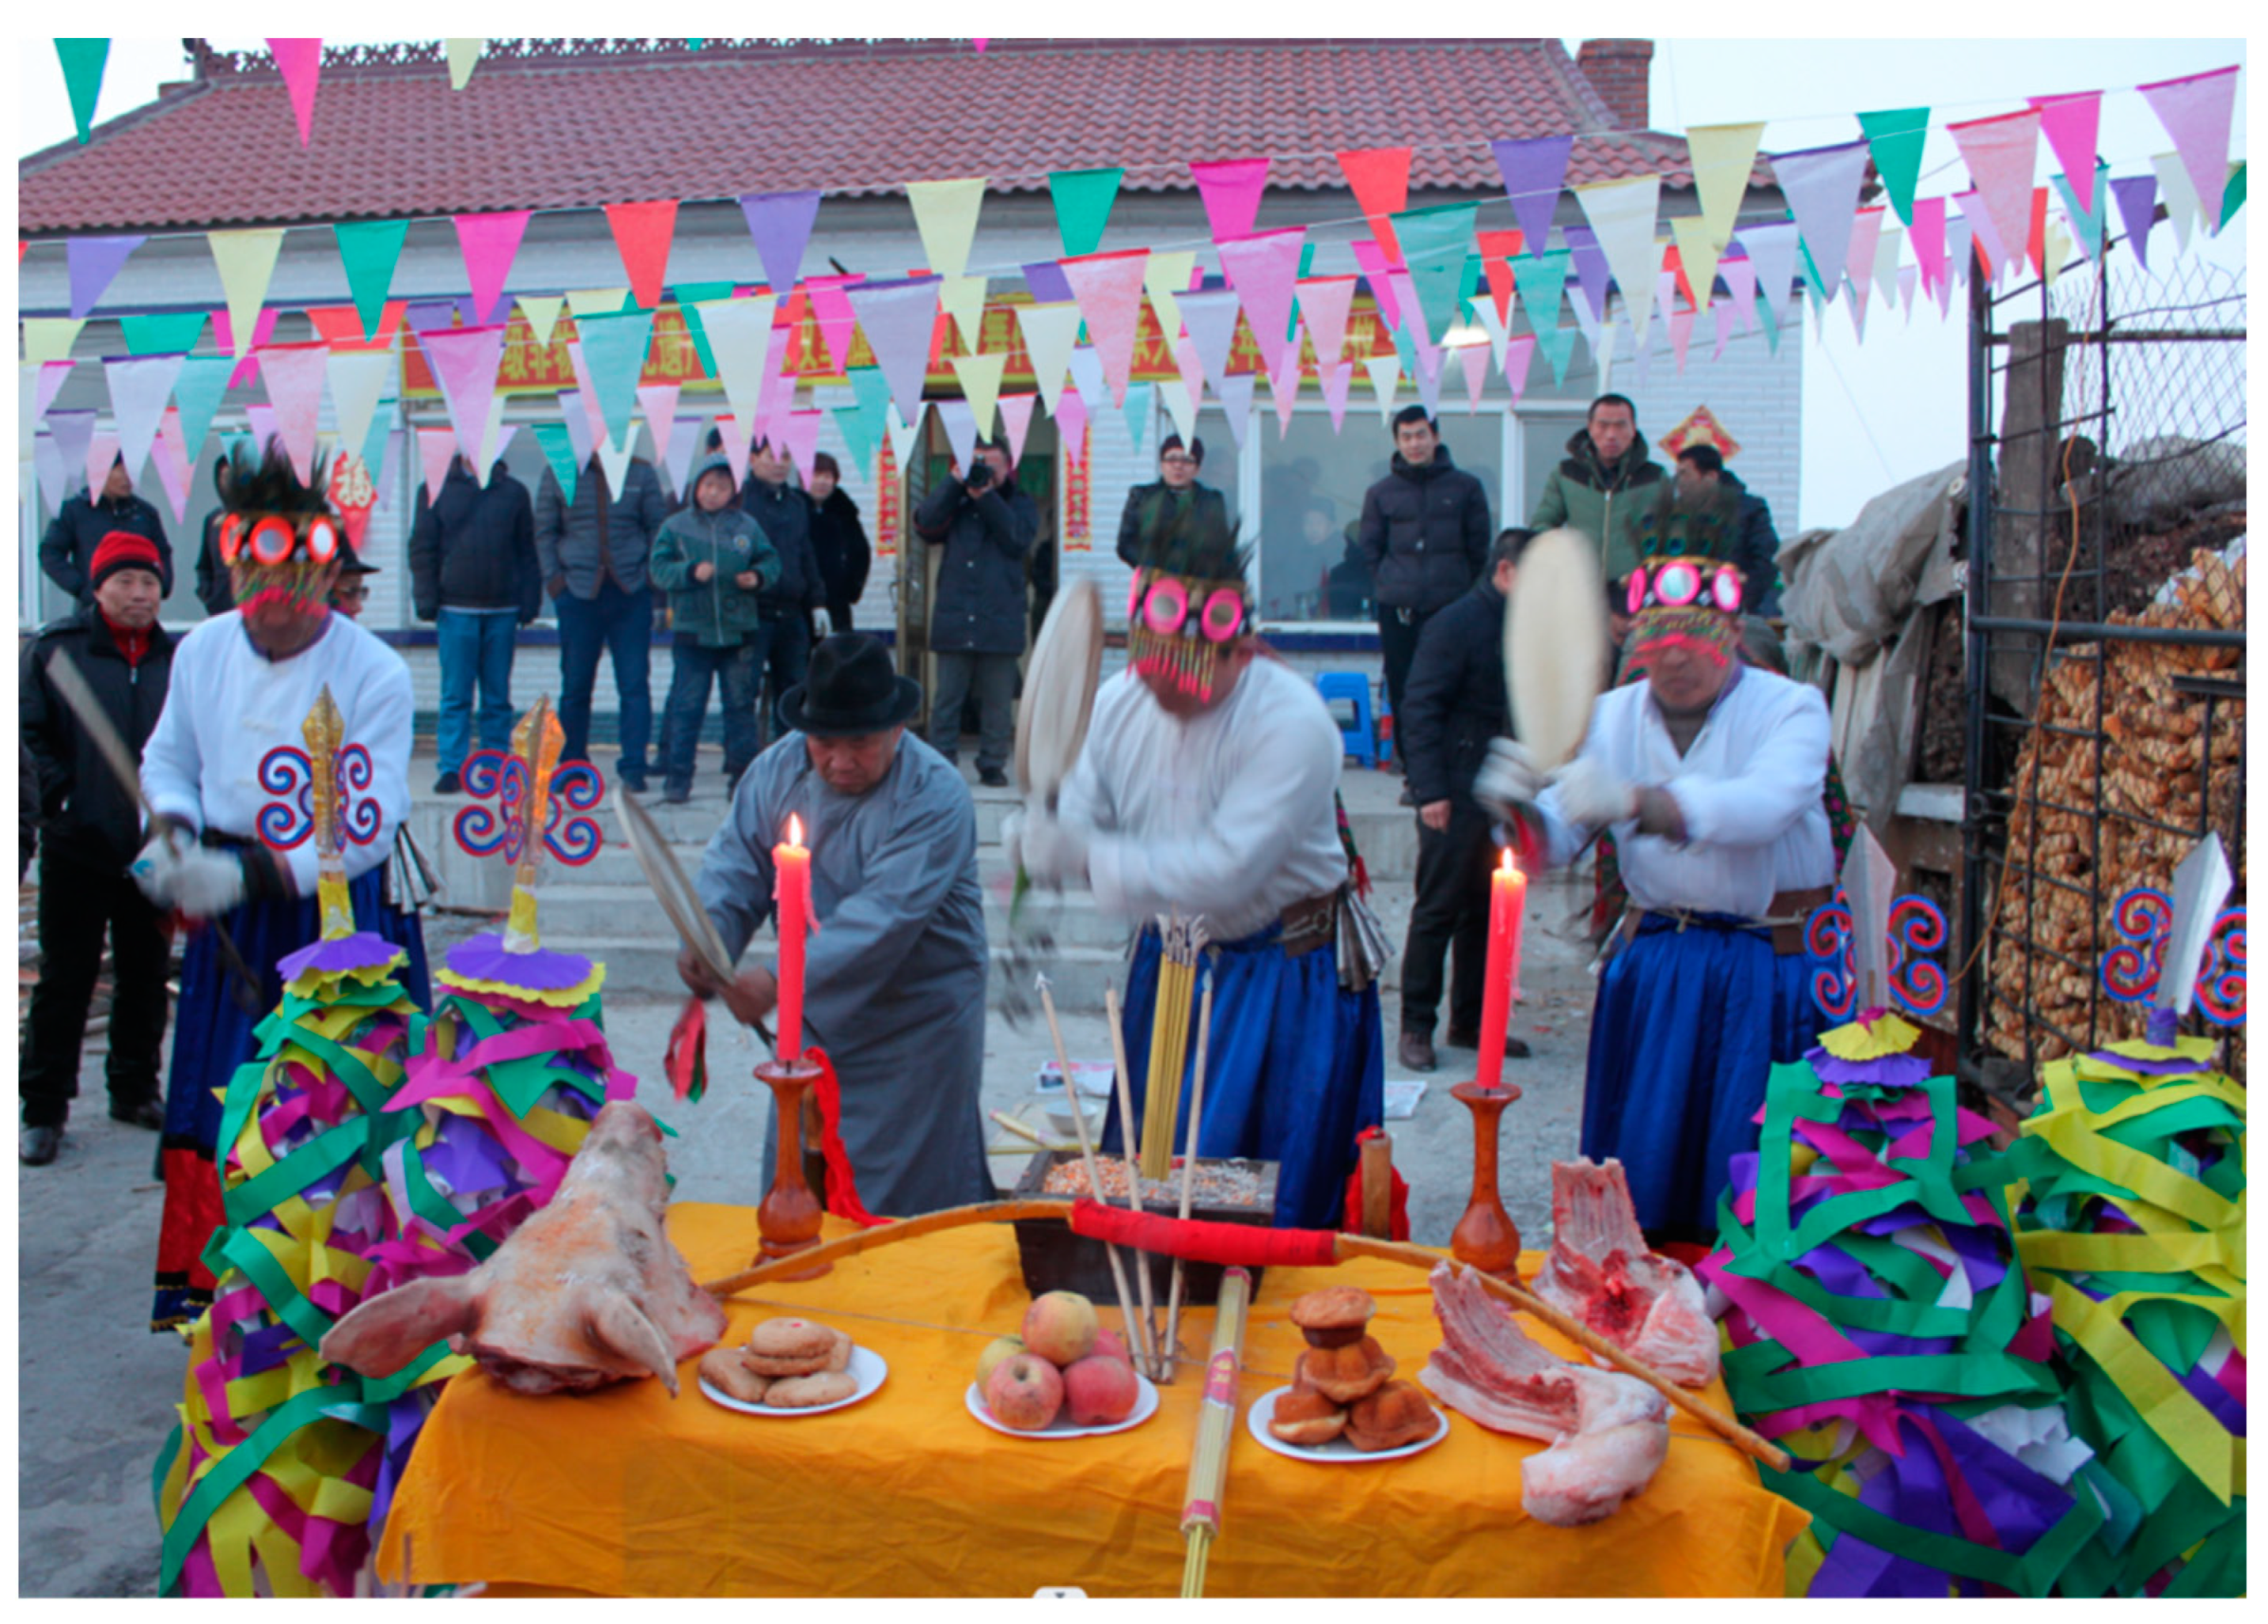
(93, 827)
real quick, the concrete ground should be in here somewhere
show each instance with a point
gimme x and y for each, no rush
(97, 1390)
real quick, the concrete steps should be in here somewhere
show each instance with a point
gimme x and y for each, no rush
(605, 910)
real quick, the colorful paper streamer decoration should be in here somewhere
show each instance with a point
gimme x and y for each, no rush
(1879, 1327)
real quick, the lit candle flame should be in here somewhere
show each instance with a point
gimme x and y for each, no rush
(795, 830)
(1508, 865)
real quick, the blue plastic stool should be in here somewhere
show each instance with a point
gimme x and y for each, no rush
(1358, 734)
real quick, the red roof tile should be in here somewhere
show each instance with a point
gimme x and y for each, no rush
(547, 124)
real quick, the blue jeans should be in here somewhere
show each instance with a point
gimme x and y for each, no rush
(621, 623)
(735, 672)
(475, 649)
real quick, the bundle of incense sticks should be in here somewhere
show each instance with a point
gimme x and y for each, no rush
(1180, 941)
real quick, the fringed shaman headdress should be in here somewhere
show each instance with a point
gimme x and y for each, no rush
(1686, 591)
(277, 535)
(1190, 602)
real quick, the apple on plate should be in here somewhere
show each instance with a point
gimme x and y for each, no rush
(1024, 1392)
(1060, 1328)
(1100, 1391)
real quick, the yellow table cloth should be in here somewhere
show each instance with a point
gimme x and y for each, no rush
(624, 1492)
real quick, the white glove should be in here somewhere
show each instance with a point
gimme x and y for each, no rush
(1592, 795)
(1053, 851)
(1508, 778)
(174, 872)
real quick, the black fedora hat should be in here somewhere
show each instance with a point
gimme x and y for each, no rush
(850, 689)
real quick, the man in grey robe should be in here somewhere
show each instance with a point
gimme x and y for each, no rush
(895, 972)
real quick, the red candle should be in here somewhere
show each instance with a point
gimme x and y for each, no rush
(791, 891)
(1508, 900)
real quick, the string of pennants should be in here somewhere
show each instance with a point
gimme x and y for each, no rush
(1444, 285)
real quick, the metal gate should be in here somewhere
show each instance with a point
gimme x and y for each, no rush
(2105, 615)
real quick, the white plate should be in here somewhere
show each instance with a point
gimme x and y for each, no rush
(1145, 1405)
(1337, 1452)
(867, 1367)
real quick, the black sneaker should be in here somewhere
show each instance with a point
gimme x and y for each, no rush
(448, 783)
(633, 781)
(36, 1147)
(676, 794)
(140, 1113)
(992, 778)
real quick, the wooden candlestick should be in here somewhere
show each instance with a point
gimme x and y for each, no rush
(788, 1219)
(1486, 1237)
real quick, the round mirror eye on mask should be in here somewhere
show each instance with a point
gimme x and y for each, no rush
(271, 540)
(1167, 608)
(1677, 584)
(322, 540)
(1634, 598)
(1725, 590)
(231, 538)
(1224, 615)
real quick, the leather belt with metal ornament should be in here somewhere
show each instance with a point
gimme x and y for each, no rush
(1784, 919)
(1308, 924)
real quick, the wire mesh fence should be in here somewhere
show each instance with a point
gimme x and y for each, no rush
(2105, 631)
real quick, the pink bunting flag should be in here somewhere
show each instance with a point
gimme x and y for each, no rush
(2070, 124)
(1977, 214)
(1681, 335)
(898, 319)
(1193, 370)
(1371, 260)
(489, 242)
(2001, 153)
(1262, 269)
(464, 363)
(301, 62)
(830, 309)
(436, 448)
(263, 419)
(1519, 355)
(1865, 231)
(778, 392)
(1325, 304)
(52, 375)
(802, 439)
(1474, 359)
(1928, 234)
(641, 236)
(1337, 376)
(735, 440)
(1280, 401)
(2197, 111)
(293, 376)
(223, 339)
(1722, 326)
(1740, 281)
(169, 454)
(1016, 422)
(1070, 424)
(140, 388)
(659, 401)
(1231, 190)
(1109, 290)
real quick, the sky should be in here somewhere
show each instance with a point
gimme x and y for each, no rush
(1875, 413)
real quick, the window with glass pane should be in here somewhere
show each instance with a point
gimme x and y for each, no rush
(1311, 487)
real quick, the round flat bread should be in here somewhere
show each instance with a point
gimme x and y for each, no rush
(1555, 645)
(1060, 679)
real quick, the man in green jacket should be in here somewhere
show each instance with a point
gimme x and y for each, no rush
(715, 562)
(1600, 488)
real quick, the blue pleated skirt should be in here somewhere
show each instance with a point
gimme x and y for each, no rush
(1796, 1023)
(213, 1035)
(1681, 1047)
(1296, 1067)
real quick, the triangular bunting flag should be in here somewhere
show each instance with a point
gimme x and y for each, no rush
(944, 211)
(74, 436)
(739, 332)
(1519, 353)
(465, 55)
(1236, 395)
(1210, 317)
(1141, 410)
(1435, 245)
(49, 337)
(171, 461)
(1740, 281)
(802, 439)
(541, 312)
(1986, 231)
(1723, 156)
(496, 437)
(197, 390)
(1165, 278)
(832, 309)
(301, 62)
(1337, 377)
(657, 405)
(2137, 198)
(1772, 251)
(1542, 284)
(1174, 395)
(1473, 359)
(489, 243)
(559, 451)
(1535, 172)
(245, 260)
(980, 378)
(963, 299)
(1370, 259)
(859, 432)
(1193, 372)
(2070, 122)
(1886, 260)
(1262, 270)
(1385, 382)
(596, 301)
(2087, 227)
(1928, 224)
(82, 62)
(899, 318)
(1087, 373)
(615, 348)
(437, 447)
(46, 378)
(139, 387)
(2196, 110)
(1326, 302)
(1231, 190)
(2000, 153)
(961, 433)
(369, 250)
(173, 333)
(1082, 200)
(1822, 189)
(1049, 330)
(1015, 423)
(100, 453)
(1866, 230)
(464, 361)
(1622, 214)
(94, 262)
(1070, 413)
(1895, 136)
(1588, 272)
(780, 223)
(2182, 208)
(641, 236)
(1697, 253)
(357, 378)
(1109, 289)
(1379, 178)
(902, 434)
(2232, 195)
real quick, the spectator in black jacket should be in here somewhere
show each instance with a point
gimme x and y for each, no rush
(838, 541)
(593, 553)
(94, 827)
(1453, 704)
(984, 527)
(1703, 480)
(67, 551)
(473, 572)
(1425, 536)
(213, 588)
(1177, 483)
(783, 514)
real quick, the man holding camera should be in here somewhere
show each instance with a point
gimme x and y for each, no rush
(984, 527)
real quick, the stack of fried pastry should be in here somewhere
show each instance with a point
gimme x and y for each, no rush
(1344, 1386)
(785, 1364)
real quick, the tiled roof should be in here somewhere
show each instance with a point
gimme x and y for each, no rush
(545, 124)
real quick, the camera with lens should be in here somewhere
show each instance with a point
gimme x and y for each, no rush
(981, 476)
